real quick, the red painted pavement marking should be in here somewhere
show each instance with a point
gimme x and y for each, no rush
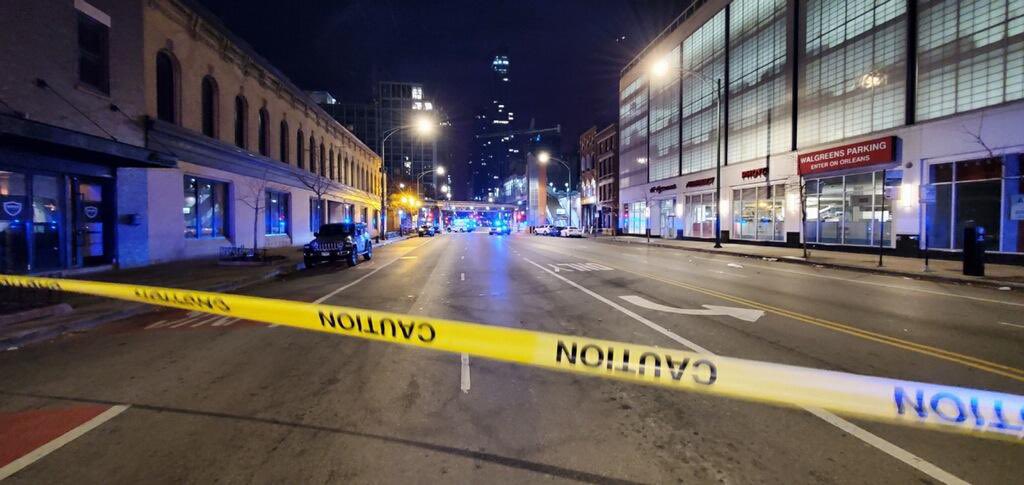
(23, 432)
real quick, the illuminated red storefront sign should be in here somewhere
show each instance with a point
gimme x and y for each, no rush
(865, 153)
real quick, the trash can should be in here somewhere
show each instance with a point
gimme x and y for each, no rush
(974, 250)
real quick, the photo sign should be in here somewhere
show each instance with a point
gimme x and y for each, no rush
(870, 152)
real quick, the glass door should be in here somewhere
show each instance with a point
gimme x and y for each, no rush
(92, 223)
(667, 214)
(14, 214)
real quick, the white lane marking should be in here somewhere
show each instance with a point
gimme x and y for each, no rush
(555, 267)
(185, 321)
(213, 318)
(462, 276)
(408, 257)
(860, 433)
(745, 314)
(33, 456)
(464, 381)
(223, 321)
(873, 283)
(155, 325)
(363, 277)
(1012, 324)
(734, 265)
(887, 447)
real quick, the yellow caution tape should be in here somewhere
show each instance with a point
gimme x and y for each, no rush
(982, 413)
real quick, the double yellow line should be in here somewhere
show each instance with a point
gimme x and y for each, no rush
(967, 360)
(981, 364)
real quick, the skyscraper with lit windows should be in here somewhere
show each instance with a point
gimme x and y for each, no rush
(495, 149)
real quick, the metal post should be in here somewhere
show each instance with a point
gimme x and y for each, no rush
(881, 225)
(718, 165)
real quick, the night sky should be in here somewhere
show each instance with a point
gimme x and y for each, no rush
(566, 55)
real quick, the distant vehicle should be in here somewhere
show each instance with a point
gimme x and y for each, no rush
(500, 228)
(572, 232)
(542, 230)
(426, 230)
(338, 242)
(464, 225)
(556, 231)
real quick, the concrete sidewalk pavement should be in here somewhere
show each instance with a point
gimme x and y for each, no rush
(997, 275)
(205, 274)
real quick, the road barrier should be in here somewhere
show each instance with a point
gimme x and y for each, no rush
(957, 409)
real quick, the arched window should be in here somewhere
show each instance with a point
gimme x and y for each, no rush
(241, 112)
(330, 168)
(263, 134)
(323, 161)
(298, 149)
(284, 142)
(166, 88)
(312, 153)
(210, 97)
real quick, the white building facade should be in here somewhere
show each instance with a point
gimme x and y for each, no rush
(849, 124)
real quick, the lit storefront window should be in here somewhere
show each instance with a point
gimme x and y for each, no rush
(849, 209)
(700, 215)
(205, 208)
(759, 213)
(276, 213)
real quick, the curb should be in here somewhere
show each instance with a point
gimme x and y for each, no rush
(48, 333)
(988, 283)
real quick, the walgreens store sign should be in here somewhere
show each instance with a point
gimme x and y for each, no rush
(870, 152)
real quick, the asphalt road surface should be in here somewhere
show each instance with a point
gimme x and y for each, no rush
(173, 397)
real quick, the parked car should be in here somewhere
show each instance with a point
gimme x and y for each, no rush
(500, 228)
(555, 231)
(338, 242)
(426, 230)
(542, 230)
(572, 232)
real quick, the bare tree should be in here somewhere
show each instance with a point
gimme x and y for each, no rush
(253, 197)
(316, 183)
(977, 136)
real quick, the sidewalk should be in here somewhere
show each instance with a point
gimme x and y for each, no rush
(196, 274)
(996, 275)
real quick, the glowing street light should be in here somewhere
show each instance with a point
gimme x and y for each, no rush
(544, 158)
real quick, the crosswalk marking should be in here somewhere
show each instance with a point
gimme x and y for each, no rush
(193, 320)
(570, 267)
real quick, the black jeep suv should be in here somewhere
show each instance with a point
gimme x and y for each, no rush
(343, 241)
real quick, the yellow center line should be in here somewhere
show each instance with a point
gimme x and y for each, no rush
(967, 360)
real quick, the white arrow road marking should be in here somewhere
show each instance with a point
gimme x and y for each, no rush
(464, 382)
(745, 314)
(1012, 324)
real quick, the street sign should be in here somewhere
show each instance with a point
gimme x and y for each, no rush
(1017, 207)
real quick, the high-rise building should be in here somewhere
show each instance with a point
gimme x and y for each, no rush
(496, 148)
(361, 119)
(408, 156)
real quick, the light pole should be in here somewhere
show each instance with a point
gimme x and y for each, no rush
(543, 158)
(425, 126)
(661, 68)
(439, 170)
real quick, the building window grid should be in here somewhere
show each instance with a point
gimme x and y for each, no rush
(971, 55)
(853, 79)
(759, 83)
(276, 213)
(664, 161)
(704, 53)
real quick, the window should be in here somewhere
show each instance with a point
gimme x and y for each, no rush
(205, 208)
(665, 121)
(330, 171)
(209, 101)
(94, 51)
(283, 148)
(849, 209)
(166, 88)
(633, 119)
(298, 149)
(758, 213)
(853, 69)
(241, 112)
(323, 161)
(316, 211)
(700, 215)
(312, 154)
(982, 192)
(704, 53)
(263, 122)
(276, 214)
(759, 81)
(970, 55)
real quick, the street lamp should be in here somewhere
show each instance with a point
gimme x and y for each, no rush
(660, 69)
(424, 125)
(439, 170)
(543, 158)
